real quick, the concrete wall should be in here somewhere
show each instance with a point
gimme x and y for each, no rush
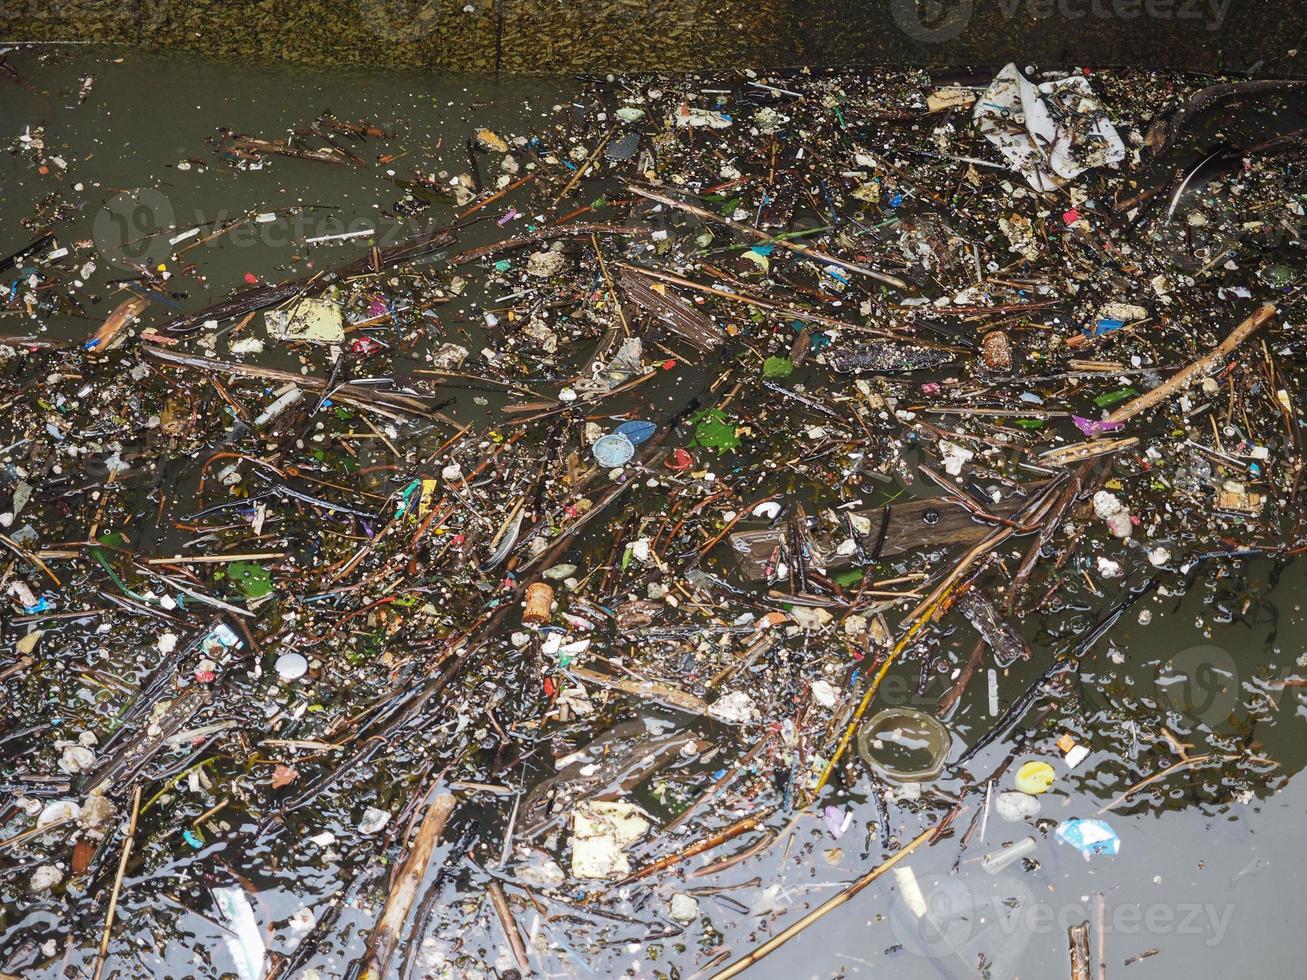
(554, 36)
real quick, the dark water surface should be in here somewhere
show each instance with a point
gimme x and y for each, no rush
(1211, 870)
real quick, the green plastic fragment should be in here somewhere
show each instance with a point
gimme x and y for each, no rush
(850, 576)
(1112, 397)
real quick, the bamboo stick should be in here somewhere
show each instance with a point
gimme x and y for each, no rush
(916, 619)
(1198, 368)
(117, 885)
(773, 944)
(385, 937)
(752, 232)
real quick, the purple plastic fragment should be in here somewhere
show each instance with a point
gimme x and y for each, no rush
(1095, 427)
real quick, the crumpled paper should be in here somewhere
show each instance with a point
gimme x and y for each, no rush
(1049, 133)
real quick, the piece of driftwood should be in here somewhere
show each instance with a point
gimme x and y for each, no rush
(385, 937)
(285, 148)
(669, 695)
(684, 320)
(895, 529)
(1195, 369)
(500, 901)
(124, 314)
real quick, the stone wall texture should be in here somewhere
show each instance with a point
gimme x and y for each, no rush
(562, 36)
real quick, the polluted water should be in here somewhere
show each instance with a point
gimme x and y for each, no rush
(812, 523)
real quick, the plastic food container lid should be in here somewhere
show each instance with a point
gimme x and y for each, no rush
(1035, 777)
(613, 450)
(904, 744)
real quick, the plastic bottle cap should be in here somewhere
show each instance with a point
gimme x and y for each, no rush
(679, 459)
(291, 666)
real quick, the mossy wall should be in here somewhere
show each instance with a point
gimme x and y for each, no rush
(553, 36)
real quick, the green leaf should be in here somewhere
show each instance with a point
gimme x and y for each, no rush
(714, 429)
(254, 580)
(850, 576)
(777, 367)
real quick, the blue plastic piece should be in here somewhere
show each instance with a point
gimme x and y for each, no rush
(1089, 837)
(637, 431)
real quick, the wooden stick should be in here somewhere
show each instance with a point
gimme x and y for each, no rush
(645, 689)
(495, 197)
(796, 312)
(612, 290)
(582, 170)
(757, 233)
(1204, 365)
(117, 885)
(212, 559)
(385, 937)
(773, 944)
(915, 620)
(721, 837)
(17, 549)
(1078, 452)
(1188, 762)
(500, 902)
(1078, 942)
(26, 835)
(1100, 968)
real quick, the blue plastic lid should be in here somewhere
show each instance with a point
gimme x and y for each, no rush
(614, 449)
